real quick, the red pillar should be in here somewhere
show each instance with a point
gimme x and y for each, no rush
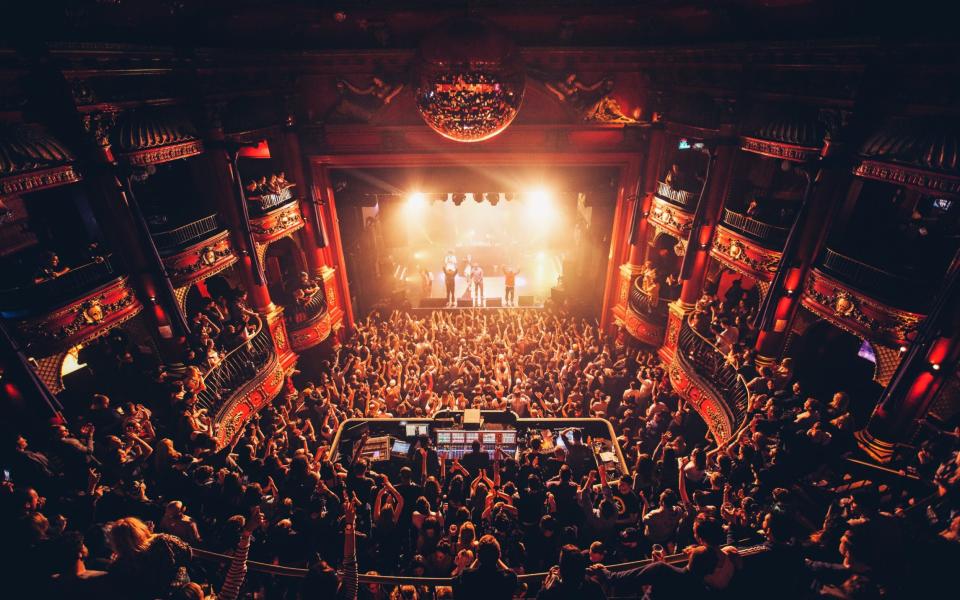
(619, 239)
(333, 253)
(814, 225)
(705, 224)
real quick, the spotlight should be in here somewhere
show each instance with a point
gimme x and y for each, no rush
(903, 349)
(416, 200)
(458, 199)
(478, 198)
(935, 366)
(495, 199)
(538, 203)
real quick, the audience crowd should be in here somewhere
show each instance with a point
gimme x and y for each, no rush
(118, 501)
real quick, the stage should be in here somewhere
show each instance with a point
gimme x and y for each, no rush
(493, 294)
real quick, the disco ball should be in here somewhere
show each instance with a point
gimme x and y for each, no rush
(468, 81)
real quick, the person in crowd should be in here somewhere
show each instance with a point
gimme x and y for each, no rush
(141, 477)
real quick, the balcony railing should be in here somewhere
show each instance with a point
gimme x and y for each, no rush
(185, 234)
(771, 236)
(702, 356)
(239, 366)
(72, 284)
(883, 284)
(642, 304)
(299, 314)
(264, 203)
(681, 198)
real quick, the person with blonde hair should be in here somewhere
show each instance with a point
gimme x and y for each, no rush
(146, 565)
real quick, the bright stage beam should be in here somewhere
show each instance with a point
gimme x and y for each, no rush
(539, 202)
(416, 201)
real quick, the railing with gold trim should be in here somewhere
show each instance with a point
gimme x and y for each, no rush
(642, 304)
(72, 284)
(238, 367)
(701, 356)
(771, 235)
(299, 315)
(682, 198)
(179, 237)
(874, 281)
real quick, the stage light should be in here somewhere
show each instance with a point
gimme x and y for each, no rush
(478, 198)
(495, 199)
(458, 199)
(416, 200)
(935, 366)
(539, 204)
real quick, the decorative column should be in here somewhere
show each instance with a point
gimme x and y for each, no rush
(623, 221)
(115, 207)
(931, 360)
(313, 238)
(339, 305)
(693, 272)
(640, 329)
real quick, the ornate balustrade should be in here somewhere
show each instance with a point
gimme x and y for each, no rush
(239, 368)
(771, 236)
(641, 303)
(52, 292)
(682, 198)
(264, 203)
(300, 315)
(723, 404)
(900, 290)
(173, 239)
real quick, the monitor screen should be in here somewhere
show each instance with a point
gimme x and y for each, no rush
(400, 447)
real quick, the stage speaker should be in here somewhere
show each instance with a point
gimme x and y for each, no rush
(464, 303)
(433, 302)
(471, 419)
(494, 302)
(525, 301)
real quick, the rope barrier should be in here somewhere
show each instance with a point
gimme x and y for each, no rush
(440, 581)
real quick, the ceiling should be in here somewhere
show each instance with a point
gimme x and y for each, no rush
(356, 24)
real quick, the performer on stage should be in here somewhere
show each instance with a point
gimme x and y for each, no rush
(509, 285)
(476, 276)
(450, 278)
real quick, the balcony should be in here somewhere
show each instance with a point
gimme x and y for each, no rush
(642, 304)
(237, 372)
(75, 283)
(309, 323)
(721, 396)
(682, 198)
(261, 204)
(900, 290)
(170, 241)
(769, 236)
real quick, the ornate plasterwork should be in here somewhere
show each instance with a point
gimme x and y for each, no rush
(907, 176)
(82, 320)
(38, 180)
(200, 261)
(857, 313)
(673, 220)
(162, 154)
(744, 256)
(779, 150)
